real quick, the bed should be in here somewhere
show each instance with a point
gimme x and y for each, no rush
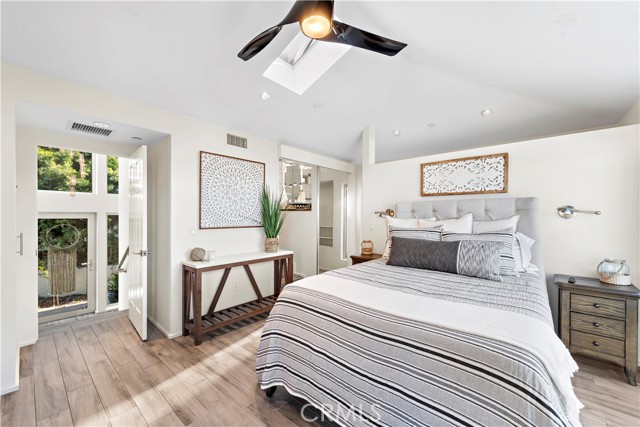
(381, 345)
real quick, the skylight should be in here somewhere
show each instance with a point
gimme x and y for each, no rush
(303, 61)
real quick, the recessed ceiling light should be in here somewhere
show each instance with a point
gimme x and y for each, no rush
(396, 132)
(102, 125)
(486, 112)
(431, 125)
(265, 96)
(136, 137)
(318, 105)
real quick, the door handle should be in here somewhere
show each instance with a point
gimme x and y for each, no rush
(142, 252)
(21, 250)
(89, 264)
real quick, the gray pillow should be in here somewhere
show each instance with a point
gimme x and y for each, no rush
(504, 237)
(469, 258)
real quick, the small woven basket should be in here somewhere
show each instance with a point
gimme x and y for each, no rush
(615, 279)
(620, 277)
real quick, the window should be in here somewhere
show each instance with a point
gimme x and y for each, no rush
(112, 175)
(56, 166)
(112, 258)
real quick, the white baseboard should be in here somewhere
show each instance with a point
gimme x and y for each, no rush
(9, 389)
(166, 333)
(26, 343)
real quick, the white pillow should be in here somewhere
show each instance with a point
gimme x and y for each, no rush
(500, 224)
(399, 222)
(464, 224)
(522, 252)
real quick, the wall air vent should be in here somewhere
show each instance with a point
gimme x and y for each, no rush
(94, 130)
(236, 141)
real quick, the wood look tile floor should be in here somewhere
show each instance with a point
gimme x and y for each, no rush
(97, 372)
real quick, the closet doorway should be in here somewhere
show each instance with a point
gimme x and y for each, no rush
(332, 219)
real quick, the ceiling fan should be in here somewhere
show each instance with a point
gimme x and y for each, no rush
(316, 21)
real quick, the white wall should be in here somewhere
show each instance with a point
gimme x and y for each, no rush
(159, 214)
(591, 170)
(9, 360)
(300, 233)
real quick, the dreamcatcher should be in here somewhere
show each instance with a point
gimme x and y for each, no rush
(62, 257)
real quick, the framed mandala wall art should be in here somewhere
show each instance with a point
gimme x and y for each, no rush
(230, 191)
(469, 175)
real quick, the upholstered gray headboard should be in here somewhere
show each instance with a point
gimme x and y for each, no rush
(482, 210)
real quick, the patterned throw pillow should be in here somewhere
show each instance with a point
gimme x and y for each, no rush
(469, 258)
(433, 233)
(505, 237)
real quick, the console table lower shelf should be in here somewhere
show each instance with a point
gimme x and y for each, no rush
(197, 324)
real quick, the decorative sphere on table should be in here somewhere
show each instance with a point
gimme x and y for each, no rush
(197, 254)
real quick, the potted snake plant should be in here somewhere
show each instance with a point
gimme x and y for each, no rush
(272, 219)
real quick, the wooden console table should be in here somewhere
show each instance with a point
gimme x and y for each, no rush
(212, 320)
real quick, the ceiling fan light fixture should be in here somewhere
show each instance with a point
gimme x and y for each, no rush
(316, 26)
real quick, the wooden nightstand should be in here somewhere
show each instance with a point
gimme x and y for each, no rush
(357, 259)
(600, 320)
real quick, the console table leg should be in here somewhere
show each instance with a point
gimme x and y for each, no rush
(277, 281)
(197, 309)
(289, 270)
(186, 298)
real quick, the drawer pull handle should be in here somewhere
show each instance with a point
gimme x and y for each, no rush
(596, 305)
(596, 343)
(596, 324)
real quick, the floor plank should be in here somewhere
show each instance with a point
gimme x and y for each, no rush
(114, 396)
(62, 419)
(86, 408)
(101, 328)
(138, 350)
(131, 418)
(169, 420)
(50, 394)
(44, 350)
(184, 403)
(89, 345)
(18, 408)
(72, 364)
(26, 361)
(114, 348)
(151, 403)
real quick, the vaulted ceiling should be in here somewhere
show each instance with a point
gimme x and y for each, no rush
(542, 67)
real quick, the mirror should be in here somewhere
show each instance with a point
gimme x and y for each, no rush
(296, 179)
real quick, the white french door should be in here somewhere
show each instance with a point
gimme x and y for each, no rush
(138, 241)
(66, 266)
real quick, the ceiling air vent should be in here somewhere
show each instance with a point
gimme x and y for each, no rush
(236, 141)
(94, 130)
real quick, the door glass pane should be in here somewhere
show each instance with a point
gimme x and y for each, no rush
(62, 265)
(112, 259)
(112, 175)
(58, 167)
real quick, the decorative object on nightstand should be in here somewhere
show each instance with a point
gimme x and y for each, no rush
(614, 272)
(600, 320)
(357, 259)
(366, 247)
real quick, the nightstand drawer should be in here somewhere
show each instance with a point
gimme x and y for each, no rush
(597, 343)
(598, 305)
(598, 325)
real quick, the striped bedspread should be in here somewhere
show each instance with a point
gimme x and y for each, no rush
(390, 346)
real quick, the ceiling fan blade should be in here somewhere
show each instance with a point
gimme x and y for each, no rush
(346, 34)
(296, 13)
(258, 43)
